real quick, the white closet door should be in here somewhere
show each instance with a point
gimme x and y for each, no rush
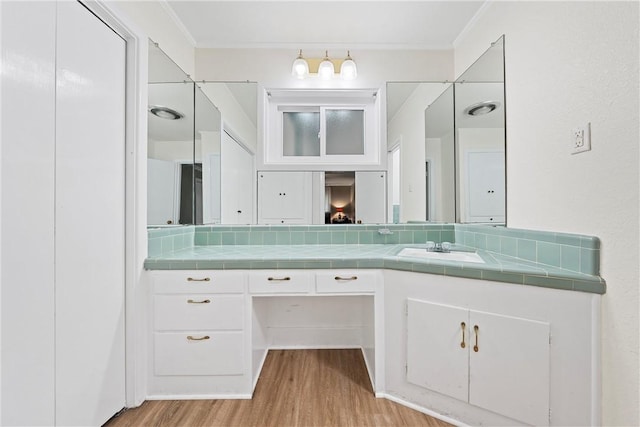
(27, 41)
(89, 218)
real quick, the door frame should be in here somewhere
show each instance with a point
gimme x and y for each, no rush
(135, 194)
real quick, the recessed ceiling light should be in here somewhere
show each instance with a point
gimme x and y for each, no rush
(165, 112)
(481, 108)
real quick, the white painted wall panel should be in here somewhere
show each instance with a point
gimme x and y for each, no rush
(27, 134)
(569, 63)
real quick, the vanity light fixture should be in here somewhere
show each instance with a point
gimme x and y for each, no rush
(325, 68)
(481, 108)
(348, 69)
(165, 112)
(300, 68)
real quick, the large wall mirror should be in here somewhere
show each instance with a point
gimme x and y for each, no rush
(449, 138)
(192, 126)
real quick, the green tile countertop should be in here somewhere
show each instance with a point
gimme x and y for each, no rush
(497, 267)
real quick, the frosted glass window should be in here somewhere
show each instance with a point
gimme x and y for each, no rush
(301, 132)
(345, 131)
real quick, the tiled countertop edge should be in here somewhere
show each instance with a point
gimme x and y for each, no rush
(511, 273)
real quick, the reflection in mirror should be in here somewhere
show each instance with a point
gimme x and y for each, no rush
(408, 158)
(440, 159)
(183, 169)
(170, 155)
(339, 196)
(170, 142)
(237, 102)
(480, 139)
(450, 141)
(207, 160)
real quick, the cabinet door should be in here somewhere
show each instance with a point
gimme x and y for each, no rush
(486, 198)
(435, 357)
(371, 197)
(284, 197)
(509, 372)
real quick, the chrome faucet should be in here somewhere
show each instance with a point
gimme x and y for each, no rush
(444, 247)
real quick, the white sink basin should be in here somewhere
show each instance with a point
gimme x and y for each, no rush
(447, 256)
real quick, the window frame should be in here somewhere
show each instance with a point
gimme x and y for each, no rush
(321, 101)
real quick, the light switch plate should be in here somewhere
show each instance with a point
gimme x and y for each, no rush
(581, 139)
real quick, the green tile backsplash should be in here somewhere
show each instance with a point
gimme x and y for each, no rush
(571, 252)
(322, 234)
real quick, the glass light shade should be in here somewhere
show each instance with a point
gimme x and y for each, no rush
(300, 68)
(348, 70)
(325, 69)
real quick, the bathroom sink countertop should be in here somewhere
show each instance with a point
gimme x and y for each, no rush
(496, 267)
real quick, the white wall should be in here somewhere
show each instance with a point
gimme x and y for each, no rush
(156, 19)
(568, 63)
(272, 67)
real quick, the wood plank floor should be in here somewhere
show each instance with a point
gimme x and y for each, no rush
(296, 388)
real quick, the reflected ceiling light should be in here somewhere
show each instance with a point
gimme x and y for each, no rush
(165, 112)
(481, 108)
(348, 69)
(324, 68)
(300, 68)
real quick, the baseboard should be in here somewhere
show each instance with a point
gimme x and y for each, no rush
(421, 409)
(198, 396)
(366, 364)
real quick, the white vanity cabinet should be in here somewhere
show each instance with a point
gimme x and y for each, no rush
(284, 197)
(489, 360)
(199, 339)
(537, 359)
(280, 282)
(347, 281)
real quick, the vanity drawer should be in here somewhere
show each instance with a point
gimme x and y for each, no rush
(205, 353)
(280, 282)
(346, 281)
(198, 282)
(198, 311)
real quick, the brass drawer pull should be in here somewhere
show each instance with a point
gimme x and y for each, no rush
(463, 326)
(346, 278)
(204, 338)
(475, 329)
(191, 279)
(206, 301)
(279, 279)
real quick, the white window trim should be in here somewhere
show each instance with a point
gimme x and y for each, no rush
(320, 101)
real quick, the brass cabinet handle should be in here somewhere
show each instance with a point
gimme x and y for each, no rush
(279, 279)
(476, 329)
(463, 326)
(204, 338)
(346, 278)
(206, 301)
(191, 279)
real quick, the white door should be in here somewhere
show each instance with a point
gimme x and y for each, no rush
(509, 372)
(285, 197)
(485, 187)
(161, 197)
(438, 348)
(371, 197)
(237, 172)
(89, 219)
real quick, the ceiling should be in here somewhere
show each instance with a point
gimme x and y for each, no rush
(324, 24)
